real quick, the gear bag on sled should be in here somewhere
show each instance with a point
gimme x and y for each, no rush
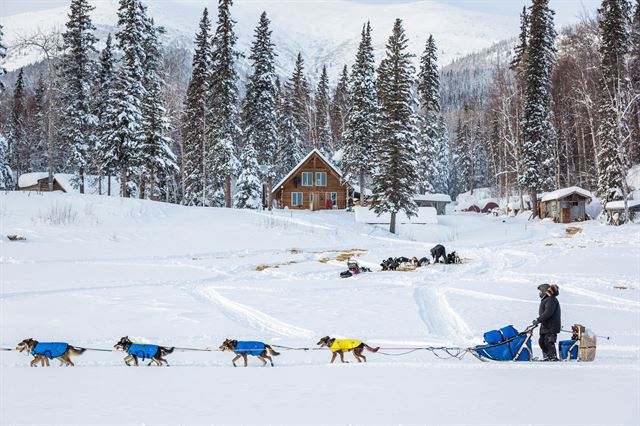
(581, 347)
(505, 344)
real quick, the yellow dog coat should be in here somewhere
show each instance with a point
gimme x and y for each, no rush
(344, 345)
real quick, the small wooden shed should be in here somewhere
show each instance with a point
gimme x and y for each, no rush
(313, 184)
(39, 181)
(565, 205)
(615, 211)
(437, 201)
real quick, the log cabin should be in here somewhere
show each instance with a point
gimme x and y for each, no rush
(313, 184)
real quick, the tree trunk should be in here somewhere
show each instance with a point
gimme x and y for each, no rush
(123, 184)
(270, 193)
(109, 185)
(228, 191)
(142, 182)
(534, 204)
(82, 181)
(361, 187)
(152, 183)
(392, 223)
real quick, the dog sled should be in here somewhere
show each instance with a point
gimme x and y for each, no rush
(505, 344)
(353, 269)
(581, 347)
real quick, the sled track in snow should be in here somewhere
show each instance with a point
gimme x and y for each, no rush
(252, 317)
(439, 317)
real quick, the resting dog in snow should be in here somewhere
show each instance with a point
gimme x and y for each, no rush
(243, 349)
(138, 350)
(44, 351)
(340, 346)
(439, 252)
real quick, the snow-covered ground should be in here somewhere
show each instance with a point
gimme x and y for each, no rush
(93, 269)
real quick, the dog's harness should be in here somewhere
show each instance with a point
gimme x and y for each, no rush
(50, 350)
(143, 351)
(249, 348)
(344, 345)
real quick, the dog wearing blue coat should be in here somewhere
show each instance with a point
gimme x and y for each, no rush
(142, 351)
(243, 349)
(44, 351)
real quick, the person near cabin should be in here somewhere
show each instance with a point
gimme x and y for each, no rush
(549, 320)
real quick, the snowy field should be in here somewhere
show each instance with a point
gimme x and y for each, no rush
(94, 269)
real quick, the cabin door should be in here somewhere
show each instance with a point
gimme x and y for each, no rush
(565, 215)
(315, 201)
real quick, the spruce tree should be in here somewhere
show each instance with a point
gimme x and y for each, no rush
(634, 79)
(260, 124)
(289, 152)
(463, 156)
(124, 119)
(395, 177)
(441, 179)
(77, 72)
(17, 141)
(322, 122)
(613, 49)
(223, 102)
(537, 167)
(159, 160)
(361, 125)
(196, 122)
(520, 51)
(7, 182)
(430, 137)
(248, 187)
(340, 108)
(3, 54)
(105, 83)
(297, 88)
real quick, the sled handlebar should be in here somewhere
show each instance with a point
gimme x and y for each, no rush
(599, 337)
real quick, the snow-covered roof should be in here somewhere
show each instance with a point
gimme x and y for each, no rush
(356, 188)
(304, 160)
(30, 179)
(565, 192)
(444, 198)
(619, 205)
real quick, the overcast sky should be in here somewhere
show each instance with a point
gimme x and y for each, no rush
(567, 11)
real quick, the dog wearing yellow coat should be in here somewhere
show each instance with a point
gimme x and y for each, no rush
(340, 346)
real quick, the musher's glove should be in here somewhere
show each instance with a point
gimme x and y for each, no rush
(535, 322)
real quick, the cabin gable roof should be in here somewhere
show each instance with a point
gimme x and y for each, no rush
(293, 171)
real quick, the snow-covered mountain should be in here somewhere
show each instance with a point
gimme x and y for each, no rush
(325, 31)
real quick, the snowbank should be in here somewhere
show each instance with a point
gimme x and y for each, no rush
(474, 198)
(426, 215)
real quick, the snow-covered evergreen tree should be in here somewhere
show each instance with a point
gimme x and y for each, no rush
(196, 121)
(105, 81)
(76, 76)
(322, 116)
(441, 179)
(223, 101)
(340, 108)
(16, 136)
(7, 181)
(430, 136)
(289, 137)
(613, 126)
(519, 58)
(260, 123)
(248, 187)
(158, 158)
(3, 54)
(297, 88)
(537, 169)
(361, 125)
(463, 157)
(124, 118)
(395, 177)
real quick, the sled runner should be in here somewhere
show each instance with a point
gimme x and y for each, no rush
(505, 344)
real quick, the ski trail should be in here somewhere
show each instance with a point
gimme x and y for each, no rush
(439, 317)
(599, 296)
(252, 317)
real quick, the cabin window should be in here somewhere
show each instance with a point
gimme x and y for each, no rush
(296, 199)
(321, 178)
(307, 178)
(333, 196)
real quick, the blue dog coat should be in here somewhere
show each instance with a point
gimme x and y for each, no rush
(143, 351)
(250, 348)
(50, 350)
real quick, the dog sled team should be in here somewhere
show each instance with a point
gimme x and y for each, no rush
(505, 344)
(438, 254)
